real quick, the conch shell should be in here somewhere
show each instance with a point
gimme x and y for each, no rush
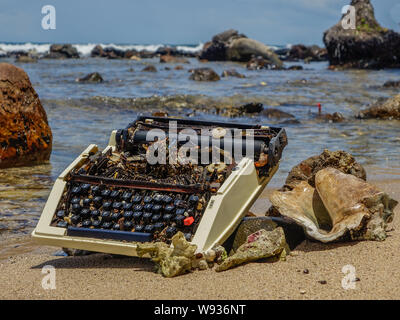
(341, 207)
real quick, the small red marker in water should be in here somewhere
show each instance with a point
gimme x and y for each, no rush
(319, 108)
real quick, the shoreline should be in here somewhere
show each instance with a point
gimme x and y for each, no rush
(100, 276)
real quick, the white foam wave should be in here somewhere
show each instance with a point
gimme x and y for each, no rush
(85, 49)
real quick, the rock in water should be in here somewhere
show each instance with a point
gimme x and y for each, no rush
(341, 207)
(243, 49)
(232, 73)
(91, 77)
(25, 135)
(149, 68)
(388, 109)
(204, 74)
(367, 46)
(259, 245)
(62, 51)
(170, 261)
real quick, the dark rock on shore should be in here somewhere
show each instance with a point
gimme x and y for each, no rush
(382, 109)
(232, 73)
(62, 51)
(149, 68)
(232, 46)
(91, 77)
(204, 74)
(368, 46)
(25, 135)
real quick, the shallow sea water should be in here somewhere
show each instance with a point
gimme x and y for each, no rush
(81, 114)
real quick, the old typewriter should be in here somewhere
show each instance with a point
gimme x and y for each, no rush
(159, 176)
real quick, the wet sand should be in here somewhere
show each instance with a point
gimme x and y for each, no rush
(102, 276)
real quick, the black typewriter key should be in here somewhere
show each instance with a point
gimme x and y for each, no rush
(180, 203)
(149, 228)
(169, 208)
(139, 228)
(180, 212)
(137, 216)
(126, 195)
(76, 190)
(127, 206)
(94, 214)
(96, 223)
(105, 193)
(167, 218)
(96, 190)
(158, 226)
(107, 225)
(75, 200)
(97, 201)
(147, 217)
(85, 213)
(86, 202)
(85, 188)
(86, 223)
(107, 205)
(137, 199)
(75, 219)
(193, 199)
(116, 226)
(117, 205)
(147, 199)
(179, 220)
(188, 236)
(156, 208)
(114, 194)
(128, 225)
(158, 198)
(106, 216)
(166, 199)
(62, 224)
(60, 214)
(115, 216)
(76, 208)
(137, 207)
(147, 207)
(155, 218)
(128, 215)
(170, 232)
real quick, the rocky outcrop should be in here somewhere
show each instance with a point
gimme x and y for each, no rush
(204, 74)
(62, 51)
(232, 46)
(94, 77)
(383, 109)
(367, 46)
(277, 114)
(25, 135)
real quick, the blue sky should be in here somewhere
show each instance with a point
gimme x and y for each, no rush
(179, 21)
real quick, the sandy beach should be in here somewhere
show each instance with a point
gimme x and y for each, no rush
(102, 276)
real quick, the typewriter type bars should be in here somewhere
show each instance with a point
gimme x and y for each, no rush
(108, 201)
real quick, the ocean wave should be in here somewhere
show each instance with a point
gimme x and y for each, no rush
(85, 49)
